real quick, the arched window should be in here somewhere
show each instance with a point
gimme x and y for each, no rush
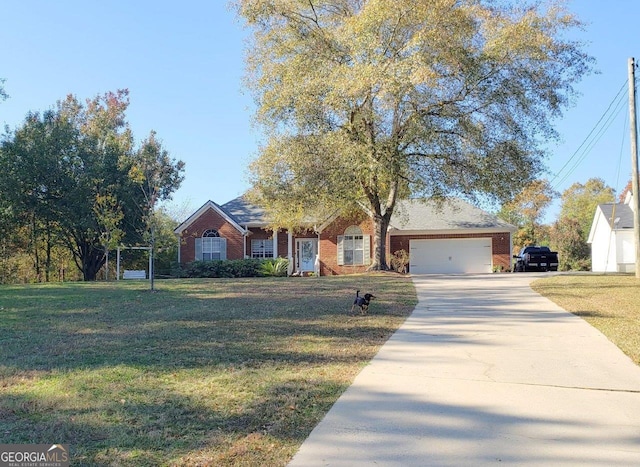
(353, 247)
(353, 230)
(211, 246)
(210, 233)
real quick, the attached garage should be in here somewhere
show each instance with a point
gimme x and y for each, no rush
(450, 256)
(447, 237)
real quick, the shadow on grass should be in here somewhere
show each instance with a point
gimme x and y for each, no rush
(130, 377)
(160, 427)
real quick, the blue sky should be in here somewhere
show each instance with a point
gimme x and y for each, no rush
(183, 65)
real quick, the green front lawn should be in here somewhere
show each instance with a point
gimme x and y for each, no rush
(202, 372)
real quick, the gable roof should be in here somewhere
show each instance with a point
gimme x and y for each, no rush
(416, 215)
(623, 214)
(409, 215)
(209, 205)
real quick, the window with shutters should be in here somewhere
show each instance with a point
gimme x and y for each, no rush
(213, 246)
(353, 247)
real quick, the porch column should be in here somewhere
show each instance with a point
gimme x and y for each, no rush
(316, 265)
(289, 252)
(275, 243)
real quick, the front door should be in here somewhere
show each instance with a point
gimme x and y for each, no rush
(306, 251)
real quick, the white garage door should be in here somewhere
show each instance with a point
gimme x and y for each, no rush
(450, 256)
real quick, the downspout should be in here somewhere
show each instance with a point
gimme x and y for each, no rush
(179, 237)
(289, 252)
(244, 240)
(317, 263)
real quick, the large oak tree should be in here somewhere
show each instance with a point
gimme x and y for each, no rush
(365, 102)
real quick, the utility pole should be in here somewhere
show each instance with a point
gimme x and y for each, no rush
(634, 162)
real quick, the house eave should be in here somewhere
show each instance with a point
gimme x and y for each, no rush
(396, 232)
(206, 206)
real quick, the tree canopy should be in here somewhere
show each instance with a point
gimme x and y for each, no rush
(579, 202)
(67, 175)
(570, 232)
(526, 211)
(367, 102)
(3, 93)
(157, 176)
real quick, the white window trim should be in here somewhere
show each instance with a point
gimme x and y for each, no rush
(350, 232)
(265, 252)
(200, 248)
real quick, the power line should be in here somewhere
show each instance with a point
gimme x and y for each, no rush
(590, 142)
(619, 106)
(624, 133)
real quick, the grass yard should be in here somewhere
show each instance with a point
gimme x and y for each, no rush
(202, 372)
(610, 303)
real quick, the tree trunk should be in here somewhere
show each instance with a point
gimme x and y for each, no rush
(34, 246)
(380, 228)
(92, 260)
(381, 224)
(48, 252)
(152, 259)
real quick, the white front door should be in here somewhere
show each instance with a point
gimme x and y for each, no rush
(306, 251)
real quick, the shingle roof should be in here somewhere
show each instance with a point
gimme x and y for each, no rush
(409, 215)
(452, 214)
(244, 212)
(623, 212)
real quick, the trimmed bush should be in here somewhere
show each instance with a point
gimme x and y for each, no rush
(226, 268)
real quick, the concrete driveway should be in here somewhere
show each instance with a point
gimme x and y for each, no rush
(485, 371)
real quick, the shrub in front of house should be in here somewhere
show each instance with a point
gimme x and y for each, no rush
(275, 267)
(227, 268)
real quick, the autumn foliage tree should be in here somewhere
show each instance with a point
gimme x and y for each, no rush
(573, 251)
(66, 178)
(570, 233)
(526, 211)
(579, 202)
(156, 175)
(364, 103)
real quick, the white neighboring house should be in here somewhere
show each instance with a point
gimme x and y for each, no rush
(611, 238)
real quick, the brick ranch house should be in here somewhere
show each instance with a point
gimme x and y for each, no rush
(455, 237)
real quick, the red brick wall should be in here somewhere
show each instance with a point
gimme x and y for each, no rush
(501, 251)
(283, 244)
(210, 219)
(329, 246)
(501, 256)
(258, 233)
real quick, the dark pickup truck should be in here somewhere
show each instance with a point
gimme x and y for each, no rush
(536, 258)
